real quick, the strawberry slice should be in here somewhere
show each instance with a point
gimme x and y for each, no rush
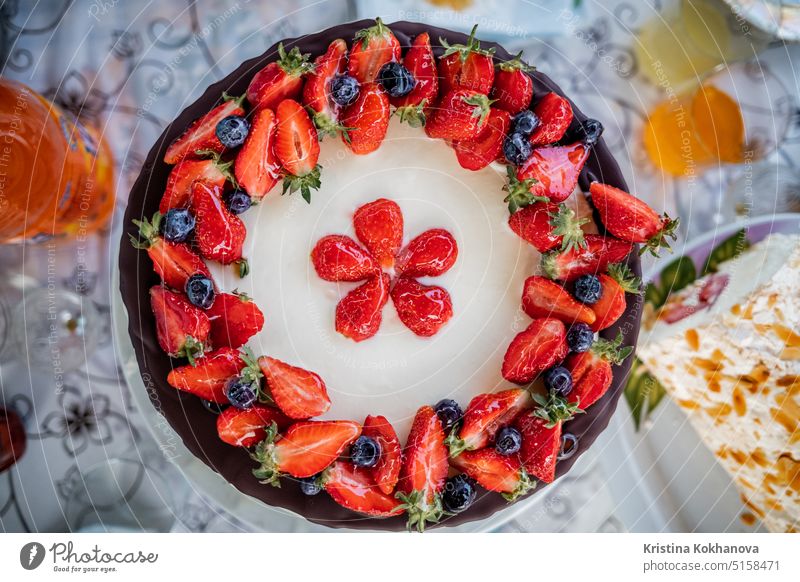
(555, 115)
(611, 305)
(555, 170)
(299, 393)
(495, 472)
(542, 297)
(460, 114)
(245, 428)
(430, 254)
(279, 80)
(485, 415)
(339, 258)
(420, 62)
(386, 471)
(379, 226)
(304, 450)
(352, 487)
(207, 378)
(257, 169)
(541, 442)
(540, 346)
(546, 226)
(513, 87)
(466, 66)
(297, 148)
(358, 314)
(479, 152)
(424, 470)
(201, 138)
(182, 329)
(366, 120)
(591, 371)
(598, 253)
(630, 219)
(316, 92)
(372, 48)
(423, 309)
(212, 171)
(235, 318)
(218, 233)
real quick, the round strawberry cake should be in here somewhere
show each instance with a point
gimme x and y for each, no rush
(385, 276)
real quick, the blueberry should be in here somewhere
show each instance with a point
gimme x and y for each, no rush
(310, 485)
(232, 131)
(396, 79)
(237, 201)
(558, 380)
(587, 289)
(200, 291)
(344, 90)
(580, 338)
(177, 225)
(459, 493)
(589, 131)
(517, 148)
(213, 407)
(449, 413)
(508, 440)
(365, 452)
(241, 394)
(525, 122)
(569, 446)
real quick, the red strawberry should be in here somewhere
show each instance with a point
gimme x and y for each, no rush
(379, 226)
(366, 120)
(304, 450)
(555, 115)
(466, 66)
(339, 258)
(495, 472)
(485, 415)
(591, 371)
(459, 114)
(543, 298)
(235, 318)
(424, 309)
(630, 219)
(245, 428)
(420, 62)
(430, 254)
(178, 193)
(297, 148)
(358, 314)
(218, 233)
(316, 92)
(386, 471)
(424, 470)
(207, 378)
(182, 329)
(372, 48)
(297, 392)
(546, 226)
(555, 170)
(540, 346)
(541, 442)
(513, 87)
(279, 80)
(257, 169)
(598, 253)
(611, 305)
(201, 134)
(479, 152)
(352, 487)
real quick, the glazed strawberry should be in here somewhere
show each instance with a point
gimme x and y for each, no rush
(279, 80)
(555, 115)
(182, 329)
(479, 152)
(305, 449)
(352, 487)
(366, 120)
(541, 442)
(423, 309)
(495, 472)
(257, 168)
(297, 149)
(372, 48)
(218, 233)
(555, 170)
(513, 87)
(542, 297)
(359, 313)
(611, 305)
(339, 258)
(466, 66)
(420, 62)
(212, 171)
(484, 416)
(459, 114)
(299, 393)
(599, 252)
(591, 371)
(386, 471)
(317, 93)
(245, 428)
(547, 226)
(207, 378)
(630, 219)
(379, 226)
(424, 470)
(235, 318)
(540, 346)
(430, 254)
(201, 135)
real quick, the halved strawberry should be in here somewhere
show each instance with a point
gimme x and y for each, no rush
(201, 135)
(218, 233)
(540, 346)
(178, 193)
(379, 226)
(555, 115)
(235, 318)
(546, 226)
(459, 114)
(297, 148)
(181, 328)
(424, 470)
(359, 313)
(366, 120)
(339, 258)
(257, 168)
(386, 471)
(495, 472)
(207, 378)
(542, 297)
(630, 219)
(541, 442)
(317, 91)
(479, 152)
(420, 62)
(591, 371)
(297, 392)
(430, 254)
(305, 449)
(555, 170)
(466, 66)
(279, 80)
(598, 253)
(245, 428)
(372, 48)
(485, 415)
(352, 487)
(423, 309)
(611, 305)
(513, 87)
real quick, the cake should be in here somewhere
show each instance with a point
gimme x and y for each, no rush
(418, 303)
(727, 349)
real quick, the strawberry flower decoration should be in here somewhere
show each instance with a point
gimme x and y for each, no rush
(423, 309)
